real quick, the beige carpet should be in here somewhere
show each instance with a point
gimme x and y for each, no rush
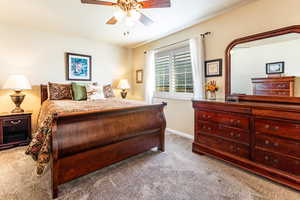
(177, 174)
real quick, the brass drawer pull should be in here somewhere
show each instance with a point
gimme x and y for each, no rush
(267, 142)
(276, 128)
(266, 157)
(206, 116)
(15, 122)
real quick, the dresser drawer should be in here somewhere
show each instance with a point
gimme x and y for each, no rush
(272, 92)
(279, 85)
(223, 145)
(232, 120)
(17, 123)
(223, 131)
(279, 128)
(277, 161)
(285, 146)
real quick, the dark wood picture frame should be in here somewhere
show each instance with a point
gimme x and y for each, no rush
(220, 63)
(137, 76)
(68, 55)
(243, 97)
(274, 63)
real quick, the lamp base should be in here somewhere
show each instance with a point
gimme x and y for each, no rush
(17, 98)
(124, 94)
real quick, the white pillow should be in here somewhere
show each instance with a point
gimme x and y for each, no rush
(94, 92)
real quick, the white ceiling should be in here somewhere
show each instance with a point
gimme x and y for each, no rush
(72, 17)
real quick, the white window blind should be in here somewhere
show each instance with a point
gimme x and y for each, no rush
(173, 72)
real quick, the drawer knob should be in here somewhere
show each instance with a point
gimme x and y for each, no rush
(15, 122)
(276, 144)
(267, 142)
(231, 134)
(267, 126)
(275, 161)
(266, 157)
(238, 135)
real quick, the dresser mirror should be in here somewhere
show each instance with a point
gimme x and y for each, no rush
(265, 67)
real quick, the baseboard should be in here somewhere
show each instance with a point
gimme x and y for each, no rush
(186, 135)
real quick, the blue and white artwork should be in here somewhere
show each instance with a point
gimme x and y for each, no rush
(79, 67)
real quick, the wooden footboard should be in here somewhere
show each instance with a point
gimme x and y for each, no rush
(87, 141)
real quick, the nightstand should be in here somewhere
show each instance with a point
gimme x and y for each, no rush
(15, 129)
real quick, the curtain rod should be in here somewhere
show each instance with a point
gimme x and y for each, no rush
(202, 35)
(205, 34)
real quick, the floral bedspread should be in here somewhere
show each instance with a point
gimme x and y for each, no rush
(40, 146)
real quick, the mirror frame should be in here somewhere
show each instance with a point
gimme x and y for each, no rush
(277, 99)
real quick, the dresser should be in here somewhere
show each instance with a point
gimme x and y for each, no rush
(263, 138)
(277, 86)
(15, 129)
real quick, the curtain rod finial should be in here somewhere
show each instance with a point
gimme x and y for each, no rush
(205, 34)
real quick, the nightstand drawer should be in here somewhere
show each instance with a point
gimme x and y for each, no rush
(17, 123)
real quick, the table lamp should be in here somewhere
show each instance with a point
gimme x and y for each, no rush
(124, 85)
(17, 83)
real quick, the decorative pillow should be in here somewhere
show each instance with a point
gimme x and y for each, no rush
(60, 91)
(79, 92)
(94, 92)
(108, 91)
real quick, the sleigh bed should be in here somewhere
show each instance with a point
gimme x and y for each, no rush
(83, 142)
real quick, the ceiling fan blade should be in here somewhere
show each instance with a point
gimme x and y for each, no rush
(156, 4)
(146, 20)
(105, 3)
(112, 21)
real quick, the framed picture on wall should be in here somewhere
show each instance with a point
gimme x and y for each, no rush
(78, 67)
(213, 68)
(275, 68)
(139, 76)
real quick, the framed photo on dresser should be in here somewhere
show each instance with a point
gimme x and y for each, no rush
(78, 67)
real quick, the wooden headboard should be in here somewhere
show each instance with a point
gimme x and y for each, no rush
(44, 93)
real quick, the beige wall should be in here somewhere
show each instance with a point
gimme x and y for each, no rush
(258, 16)
(40, 56)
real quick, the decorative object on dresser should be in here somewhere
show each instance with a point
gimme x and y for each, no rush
(275, 68)
(211, 87)
(15, 129)
(78, 67)
(258, 133)
(276, 86)
(124, 86)
(17, 83)
(213, 68)
(139, 76)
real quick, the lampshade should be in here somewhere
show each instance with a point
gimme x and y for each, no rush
(17, 83)
(123, 84)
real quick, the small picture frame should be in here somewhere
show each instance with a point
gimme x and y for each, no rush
(139, 76)
(78, 67)
(275, 68)
(213, 68)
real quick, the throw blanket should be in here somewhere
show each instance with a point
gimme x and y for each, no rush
(40, 146)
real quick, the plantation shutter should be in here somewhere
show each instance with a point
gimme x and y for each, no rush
(173, 71)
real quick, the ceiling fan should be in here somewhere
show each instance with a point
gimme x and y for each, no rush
(130, 10)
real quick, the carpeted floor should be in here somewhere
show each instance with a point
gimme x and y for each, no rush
(177, 174)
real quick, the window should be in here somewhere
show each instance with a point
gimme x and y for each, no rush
(173, 72)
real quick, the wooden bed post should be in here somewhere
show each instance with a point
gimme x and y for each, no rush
(54, 160)
(162, 134)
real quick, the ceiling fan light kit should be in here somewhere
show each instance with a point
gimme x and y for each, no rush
(130, 10)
